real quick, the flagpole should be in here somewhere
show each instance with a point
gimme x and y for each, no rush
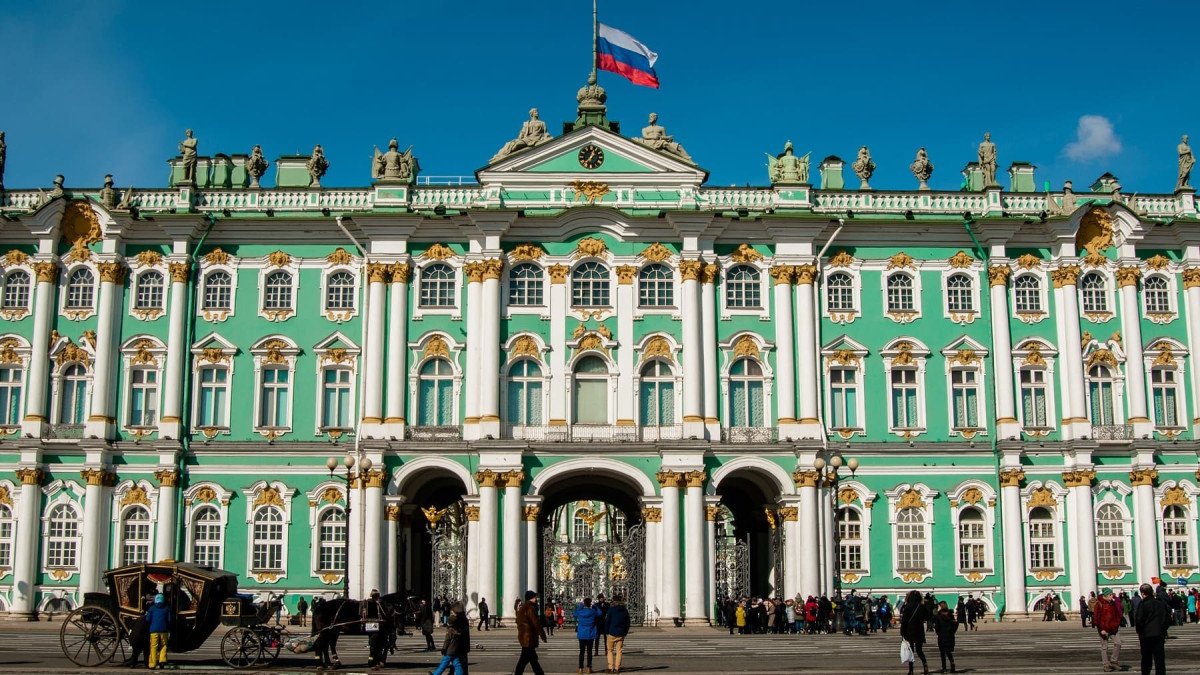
(595, 32)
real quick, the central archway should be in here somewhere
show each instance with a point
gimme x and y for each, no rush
(432, 546)
(750, 535)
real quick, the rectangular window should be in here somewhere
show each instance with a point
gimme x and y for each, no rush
(206, 547)
(214, 390)
(591, 401)
(524, 403)
(971, 547)
(904, 399)
(1110, 553)
(965, 392)
(10, 396)
(143, 405)
(746, 404)
(6, 538)
(1041, 555)
(273, 411)
(1166, 395)
(1101, 396)
(657, 403)
(335, 401)
(843, 392)
(1175, 553)
(1033, 398)
(850, 556)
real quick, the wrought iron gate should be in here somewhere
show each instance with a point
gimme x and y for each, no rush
(778, 554)
(732, 568)
(448, 538)
(587, 567)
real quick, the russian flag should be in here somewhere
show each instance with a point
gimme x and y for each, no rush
(618, 52)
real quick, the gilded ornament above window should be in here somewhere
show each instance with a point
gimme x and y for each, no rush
(745, 253)
(910, 499)
(437, 252)
(1041, 497)
(527, 252)
(15, 257)
(841, 259)
(525, 345)
(1095, 233)
(901, 261)
(1029, 261)
(217, 257)
(436, 346)
(279, 259)
(340, 256)
(655, 252)
(745, 346)
(1158, 262)
(960, 260)
(149, 258)
(591, 246)
(269, 497)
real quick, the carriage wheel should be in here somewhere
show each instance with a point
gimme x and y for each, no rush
(272, 641)
(89, 636)
(241, 648)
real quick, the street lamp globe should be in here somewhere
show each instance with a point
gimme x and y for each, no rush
(331, 463)
(835, 462)
(852, 464)
(349, 461)
(819, 464)
(365, 464)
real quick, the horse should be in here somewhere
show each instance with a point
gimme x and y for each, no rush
(340, 616)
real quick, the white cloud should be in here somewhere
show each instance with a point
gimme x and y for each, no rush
(1094, 139)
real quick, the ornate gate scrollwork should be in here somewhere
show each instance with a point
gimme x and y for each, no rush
(589, 566)
(448, 538)
(732, 568)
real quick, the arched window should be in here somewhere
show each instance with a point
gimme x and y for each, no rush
(1156, 294)
(16, 290)
(1095, 293)
(743, 288)
(277, 293)
(435, 404)
(336, 391)
(340, 289)
(964, 394)
(656, 286)
(905, 411)
(1164, 384)
(149, 291)
(591, 391)
(910, 540)
(267, 540)
(656, 397)
(135, 536)
(81, 289)
(143, 397)
(62, 537)
(1100, 395)
(590, 285)
(437, 285)
(1033, 398)
(1110, 537)
(1175, 537)
(526, 285)
(843, 397)
(746, 405)
(525, 394)
(900, 293)
(972, 542)
(206, 537)
(839, 292)
(11, 378)
(850, 540)
(960, 296)
(1027, 293)
(331, 538)
(580, 530)
(6, 537)
(1042, 554)
(218, 291)
(72, 397)
(214, 397)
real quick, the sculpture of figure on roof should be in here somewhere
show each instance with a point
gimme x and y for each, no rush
(655, 137)
(533, 133)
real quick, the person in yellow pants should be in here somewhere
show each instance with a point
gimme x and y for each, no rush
(158, 618)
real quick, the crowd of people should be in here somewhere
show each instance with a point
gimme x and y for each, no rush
(851, 614)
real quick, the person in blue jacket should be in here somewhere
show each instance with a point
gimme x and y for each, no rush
(586, 631)
(158, 620)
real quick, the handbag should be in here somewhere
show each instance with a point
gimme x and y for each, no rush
(906, 652)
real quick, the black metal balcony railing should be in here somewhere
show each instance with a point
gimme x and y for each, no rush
(447, 432)
(749, 434)
(1112, 432)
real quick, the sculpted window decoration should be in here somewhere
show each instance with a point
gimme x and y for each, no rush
(656, 286)
(340, 290)
(743, 288)
(218, 291)
(81, 289)
(590, 285)
(839, 292)
(526, 285)
(16, 290)
(1094, 291)
(278, 291)
(437, 285)
(1027, 294)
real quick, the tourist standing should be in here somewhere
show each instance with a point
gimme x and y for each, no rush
(425, 618)
(602, 608)
(548, 615)
(1151, 620)
(1106, 619)
(945, 624)
(483, 615)
(302, 610)
(371, 611)
(457, 643)
(913, 618)
(158, 622)
(616, 627)
(529, 629)
(740, 618)
(1083, 609)
(974, 611)
(960, 610)
(586, 618)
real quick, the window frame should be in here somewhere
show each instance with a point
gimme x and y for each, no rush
(747, 380)
(59, 393)
(137, 285)
(216, 314)
(759, 284)
(1188, 520)
(1104, 293)
(355, 290)
(658, 381)
(448, 283)
(524, 380)
(539, 283)
(1124, 538)
(1116, 382)
(66, 307)
(274, 352)
(895, 360)
(196, 498)
(899, 500)
(17, 311)
(1175, 368)
(902, 316)
(1030, 315)
(74, 540)
(602, 284)
(1023, 359)
(263, 495)
(607, 378)
(966, 355)
(972, 292)
(660, 285)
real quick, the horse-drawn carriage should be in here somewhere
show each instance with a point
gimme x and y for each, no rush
(201, 599)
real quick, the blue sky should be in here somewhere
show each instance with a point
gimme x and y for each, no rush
(92, 88)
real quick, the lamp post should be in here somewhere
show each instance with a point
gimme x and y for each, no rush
(831, 479)
(332, 464)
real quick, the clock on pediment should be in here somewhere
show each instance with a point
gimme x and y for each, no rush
(591, 156)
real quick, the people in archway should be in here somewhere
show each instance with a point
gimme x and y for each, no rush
(587, 619)
(616, 627)
(529, 630)
(483, 615)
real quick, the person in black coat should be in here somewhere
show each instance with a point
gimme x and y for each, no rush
(913, 618)
(483, 615)
(1152, 619)
(945, 624)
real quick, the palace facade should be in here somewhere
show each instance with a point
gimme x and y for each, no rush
(591, 368)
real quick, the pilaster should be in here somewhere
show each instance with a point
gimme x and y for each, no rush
(1007, 425)
(785, 352)
(558, 345)
(1013, 537)
(807, 542)
(372, 376)
(94, 540)
(708, 330)
(102, 423)
(1145, 516)
(489, 360)
(487, 534)
(693, 352)
(1083, 521)
(168, 513)
(1075, 422)
(807, 353)
(514, 547)
(626, 415)
(1135, 368)
(26, 543)
(471, 389)
(36, 396)
(669, 481)
(696, 605)
(394, 419)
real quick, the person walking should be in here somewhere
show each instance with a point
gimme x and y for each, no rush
(586, 618)
(975, 609)
(913, 618)
(483, 615)
(158, 622)
(302, 610)
(529, 629)
(548, 615)
(1106, 619)
(945, 624)
(960, 611)
(1083, 609)
(457, 643)
(616, 627)
(1151, 621)
(425, 619)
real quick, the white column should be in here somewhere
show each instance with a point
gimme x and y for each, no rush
(168, 513)
(474, 551)
(514, 548)
(696, 560)
(558, 345)
(392, 579)
(354, 551)
(625, 366)
(1007, 425)
(1145, 523)
(652, 516)
(169, 422)
(37, 385)
(95, 531)
(710, 540)
(789, 513)
(693, 352)
(669, 480)
(374, 526)
(397, 350)
(808, 541)
(708, 314)
(474, 272)
(488, 519)
(785, 352)
(827, 548)
(489, 360)
(373, 362)
(1135, 368)
(1075, 420)
(1191, 285)
(1083, 522)
(1013, 541)
(28, 537)
(406, 543)
(101, 423)
(530, 516)
(807, 356)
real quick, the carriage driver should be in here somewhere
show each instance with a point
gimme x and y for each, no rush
(371, 611)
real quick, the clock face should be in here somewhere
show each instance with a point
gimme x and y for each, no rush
(591, 156)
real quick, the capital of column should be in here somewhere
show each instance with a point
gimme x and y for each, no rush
(652, 514)
(689, 270)
(98, 477)
(1011, 477)
(30, 476)
(998, 275)
(805, 274)
(491, 268)
(782, 274)
(1078, 478)
(1143, 477)
(1191, 277)
(711, 512)
(1067, 275)
(625, 274)
(512, 479)
(46, 271)
(473, 514)
(531, 513)
(558, 274)
(695, 479)
(805, 478)
(392, 512)
(375, 478)
(487, 478)
(474, 271)
(167, 477)
(180, 271)
(400, 273)
(789, 513)
(1128, 276)
(377, 273)
(668, 479)
(710, 273)
(112, 272)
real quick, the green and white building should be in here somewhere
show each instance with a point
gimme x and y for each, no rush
(589, 325)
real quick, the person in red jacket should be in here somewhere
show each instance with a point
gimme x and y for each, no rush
(1107, 620)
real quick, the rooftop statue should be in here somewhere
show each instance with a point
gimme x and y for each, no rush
(108, 196)
(127, 198)
(59, 190)
(787, 167)
(317, 165)
(1186, 161)
(533, 133)
(655, 137)
(187, 151)
(987, 160)
(922, 168)
(864, 167)
(3, 157)
(393, 165)
(256, 165)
